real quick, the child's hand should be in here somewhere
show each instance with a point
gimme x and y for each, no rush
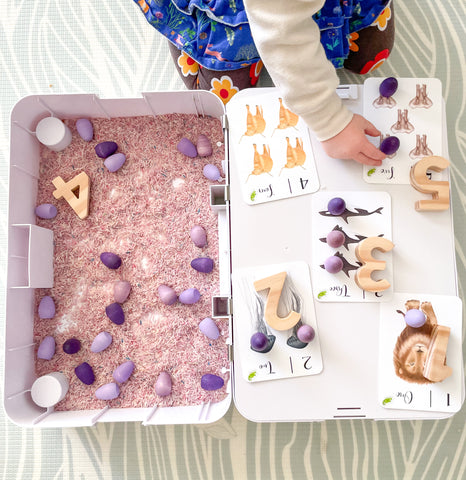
(352, 143)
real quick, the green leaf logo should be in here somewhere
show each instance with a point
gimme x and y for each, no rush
(251, 376)
(253, 195)
(386, 400)
(371, 172)
(322, 294)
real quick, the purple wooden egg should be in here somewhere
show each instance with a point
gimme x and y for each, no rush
(105, 149)
(167, 294)
(389, 145)
(110, 260)
(336, 206)
(186, 147)
(109, 391)
(121, 290)
(85, 129)
(46, 348)
(115, 162)
(333, 264)
(335, 238)
(46, 307)
(415, 318)
(189, 296)
(72, 346)
(85, 373)
(211, 382)
(203, 264)
(123, 371)
(209, 328)
(259, 341)
(203, 145)
(211, 172)
(306, 333)
(115, 313)
(198, 236)
(46, 211)
(102, 341)
(163, 385)
(388, 87)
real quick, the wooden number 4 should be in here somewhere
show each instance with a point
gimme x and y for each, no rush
(370, 264)
(75, 192)
(440, 191)
(275, 284)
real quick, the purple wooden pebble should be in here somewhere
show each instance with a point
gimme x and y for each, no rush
(105, 149)
(121, 290)
(186, 147)
(72, 346)
(46, 211)
(336, 206)
(85, 373)
(211, 172)
(123, 371)
(389, 145)
(198, 236)
(85, 129)
(209, 328)
(167, 294)
(101, 342)
(115, 162)
(333, 264)
(335, 238)
(211, 382)
(189, 296)
(203, 145)
(46, 348)
(305, 333)
(46, 307)
(110, 260)
(163, 385)
(109, 391)
(115, 313)
(388, 87)
(415, 318)
(203, 264)
(259, 341)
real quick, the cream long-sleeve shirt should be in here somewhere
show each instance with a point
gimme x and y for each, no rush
(288, 41)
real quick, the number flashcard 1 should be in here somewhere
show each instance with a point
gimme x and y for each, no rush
(275, 323)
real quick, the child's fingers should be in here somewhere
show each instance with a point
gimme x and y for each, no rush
(372, 151)
(365, 160)
(370, 129)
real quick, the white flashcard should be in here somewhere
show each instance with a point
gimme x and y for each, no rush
(420, 367)
(271, 148)
(366, 214)
(414, 114)
(286, 353)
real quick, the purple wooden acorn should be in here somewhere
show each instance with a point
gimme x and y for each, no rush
(46, 211)
(85, 129)
(203, 264)
(46, 307)
(110, 260)
(109, 391)
(167, 294)
(186, 147)
(189, 296)
(121, 290)
(115, 313)
(105, 149)
(102, 341)
(198, 236)
(122, 373)
(211, 172)
(209, 328)
(203, 145)
(115, 162)
(46, 348)
(85, 373)
(72, 346)
(163, 385)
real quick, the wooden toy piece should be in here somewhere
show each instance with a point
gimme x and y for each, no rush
(440, 191)
(435, 368)
(364, 254)
(75, 192)
(275, 284)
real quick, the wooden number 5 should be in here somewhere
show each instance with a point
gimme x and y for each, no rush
(75, 192)
(275, 284)
(370, 264)
(440, 191)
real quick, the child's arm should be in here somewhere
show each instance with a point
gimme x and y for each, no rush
(288, 41)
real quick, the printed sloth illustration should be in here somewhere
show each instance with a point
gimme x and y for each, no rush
(420, 353)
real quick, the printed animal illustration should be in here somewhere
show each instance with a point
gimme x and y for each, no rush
(263, 163)
(295, 156)
(286, 118)
(255, 124)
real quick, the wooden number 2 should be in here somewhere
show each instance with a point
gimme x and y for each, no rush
(440, 191)
(75, 192)
(370, 264)
(275, 284)
(435, 369)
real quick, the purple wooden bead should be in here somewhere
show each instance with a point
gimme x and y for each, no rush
(335, 238)
(115, 162)
(198, 236)
(167, 294)
(388, 87)
(415, 318)
(209, 328)
(389, 145)
(72, 346)
(186, 147)
(46, 348)
(121, 290)
(203, 264)
(306, 333)
(109, 391)
(211, 172)
(259, 341)
(211, 382)
(203, 146)
(85, 373)
(46, 211)
(189, 296)
(110, 260)
(163, 385)
(336, 206)
(333, 264)
(85, 129)
(105, 149)
(101, 342)
(46, 307)
(115, 313)
(123, 371)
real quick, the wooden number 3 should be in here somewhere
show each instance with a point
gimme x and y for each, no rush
(75, 192)
(370, 264)
(440, 191)
(275, 284)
